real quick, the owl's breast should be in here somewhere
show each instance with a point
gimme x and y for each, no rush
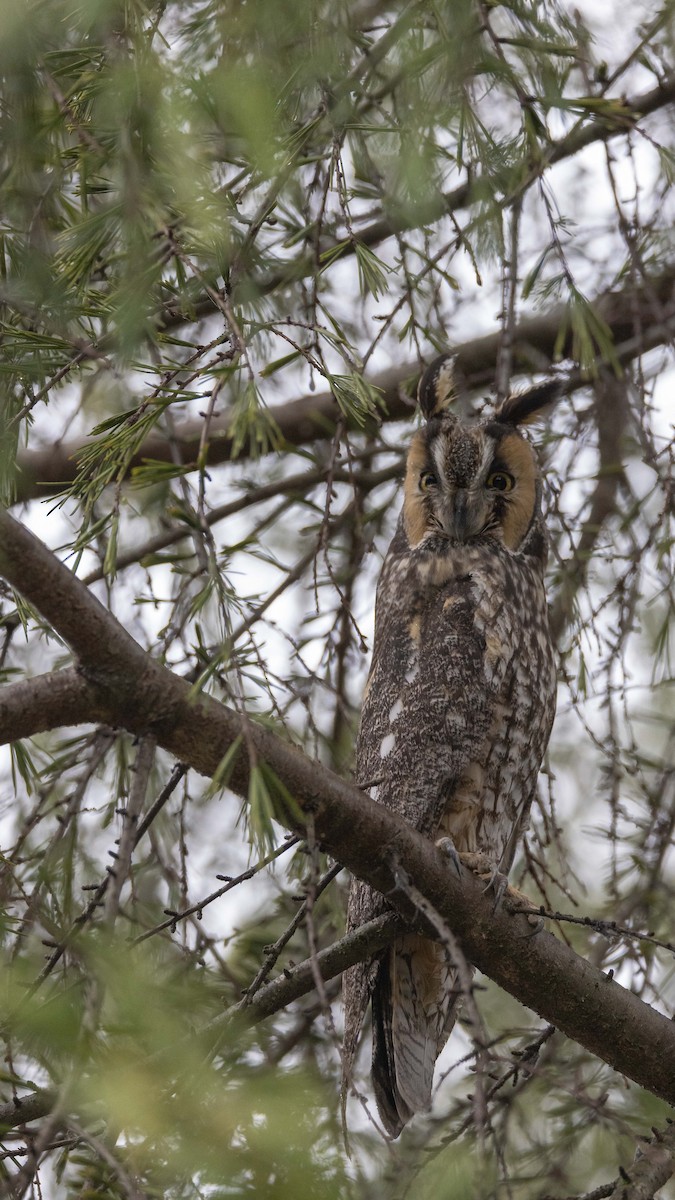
(461, 693)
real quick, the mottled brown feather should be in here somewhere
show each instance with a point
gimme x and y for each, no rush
(457, 712)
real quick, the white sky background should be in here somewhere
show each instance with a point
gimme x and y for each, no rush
(580, 185)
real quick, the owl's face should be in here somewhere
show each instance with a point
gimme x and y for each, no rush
(472, 481)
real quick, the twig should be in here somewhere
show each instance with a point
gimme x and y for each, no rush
(198, 908)
(99, 890)
(118, 874)
(609, 929)
(272, 952)
(98, 1145)
(652, 1167)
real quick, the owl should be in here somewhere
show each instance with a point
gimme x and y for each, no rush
(458, 705)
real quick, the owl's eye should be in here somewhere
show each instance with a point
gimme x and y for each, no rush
(500, 481)
(428, 480)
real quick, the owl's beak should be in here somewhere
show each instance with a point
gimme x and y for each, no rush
(466, 517)
(461, 514)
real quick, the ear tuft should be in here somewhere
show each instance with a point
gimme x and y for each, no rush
(437, 387)
(524, 407)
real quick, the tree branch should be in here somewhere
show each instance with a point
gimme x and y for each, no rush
(638, 319)
(50, 701)
(20, 1111)
(543, 973)
(653, 1166)
(297, 981)
(611, 417)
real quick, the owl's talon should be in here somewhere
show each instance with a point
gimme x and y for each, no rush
(500, 885)
(447, 846)
(482, 865)
(496, 881)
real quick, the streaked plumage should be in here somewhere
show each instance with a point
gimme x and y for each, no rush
(459, 702)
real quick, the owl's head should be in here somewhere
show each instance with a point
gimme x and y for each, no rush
(472, 480)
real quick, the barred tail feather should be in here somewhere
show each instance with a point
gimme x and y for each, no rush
(414, 1008)
(356, 990)
(358, 982)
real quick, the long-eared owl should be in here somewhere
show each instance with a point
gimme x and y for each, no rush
(458, 706)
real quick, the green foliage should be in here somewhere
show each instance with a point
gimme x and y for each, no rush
(357, 399)
(252, 426)
(233, 1124)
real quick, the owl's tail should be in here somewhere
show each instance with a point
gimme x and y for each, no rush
(414, 1007)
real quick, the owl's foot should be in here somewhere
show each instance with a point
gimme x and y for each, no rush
(513, 900)
(474, 860)
(478, 863)
(484, 867)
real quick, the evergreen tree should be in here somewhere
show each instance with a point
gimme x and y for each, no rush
(232, 235)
